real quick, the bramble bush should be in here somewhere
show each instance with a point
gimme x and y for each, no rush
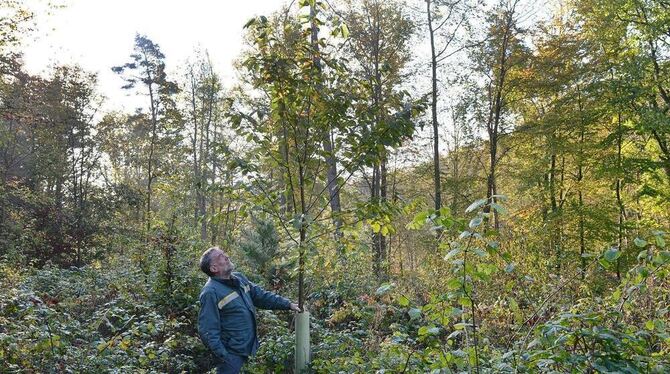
(92, 319)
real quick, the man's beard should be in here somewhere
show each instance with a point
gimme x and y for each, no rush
(229, 271)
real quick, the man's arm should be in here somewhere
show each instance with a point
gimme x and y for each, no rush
(209, 325)
(268, 300)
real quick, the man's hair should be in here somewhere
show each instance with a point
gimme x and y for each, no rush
(206, 260)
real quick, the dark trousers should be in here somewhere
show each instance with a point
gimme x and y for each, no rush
(232, 364)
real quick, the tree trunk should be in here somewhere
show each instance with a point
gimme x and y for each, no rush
(194, 144)
(383, 188)
(205, 152)
(154, 128)
(433, 107)
(330, 157)
(620, 205)
(496, 93)
(580, 177)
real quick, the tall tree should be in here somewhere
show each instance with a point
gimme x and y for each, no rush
(630, 40)
(380, 46)
(79, 105)
(502, 52)
(147, 68)
(556, 105)
(329, 151)
(204, 100)
(451, 17)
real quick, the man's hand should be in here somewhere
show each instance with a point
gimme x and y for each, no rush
(295, 308)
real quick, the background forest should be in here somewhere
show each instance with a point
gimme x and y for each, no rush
(446, 185)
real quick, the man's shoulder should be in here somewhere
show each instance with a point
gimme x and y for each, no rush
(209, 287)
(241, 276)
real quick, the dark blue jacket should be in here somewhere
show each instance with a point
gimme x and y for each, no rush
(227, 320)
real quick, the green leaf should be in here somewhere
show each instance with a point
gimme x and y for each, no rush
(462, 325)
(414, 313)
(297, 222)
(419, 220)
(498, 208)
(642, 255)
(454, 334)
(375, 227)
(660, 241)
(464, 301)
(649, 325)
(612, 254)
(662, 258)
(476, 205)
(453, 253)
(640, 242)
(384, 289)
(445, 212)
(475, 222)
(643, 271)
(384, 231)
(344, 30)
(249, 23)
(102, 346)
(533, 344)
(403, 301)
(454, 284)
(465, 234)
(480, 252)
(486, 269)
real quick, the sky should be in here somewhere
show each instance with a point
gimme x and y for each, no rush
(99, 34)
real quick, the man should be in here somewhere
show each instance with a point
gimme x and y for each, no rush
(228, 302)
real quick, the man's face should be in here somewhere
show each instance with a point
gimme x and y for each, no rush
(221, 264)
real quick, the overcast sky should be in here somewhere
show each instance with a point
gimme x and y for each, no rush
(99, 34)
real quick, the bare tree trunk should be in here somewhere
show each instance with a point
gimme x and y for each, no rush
(496, 104)
(152, 144)
(620, 205)
(213, 158)
(661, 140)
(379, 178)
(205, 150)
(194, 144)
(376, 237)
(383, 188)
(433, 106)
(554, 211)
(580, 178)
(331, 160)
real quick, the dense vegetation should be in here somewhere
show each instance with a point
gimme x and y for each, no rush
(528, 236)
